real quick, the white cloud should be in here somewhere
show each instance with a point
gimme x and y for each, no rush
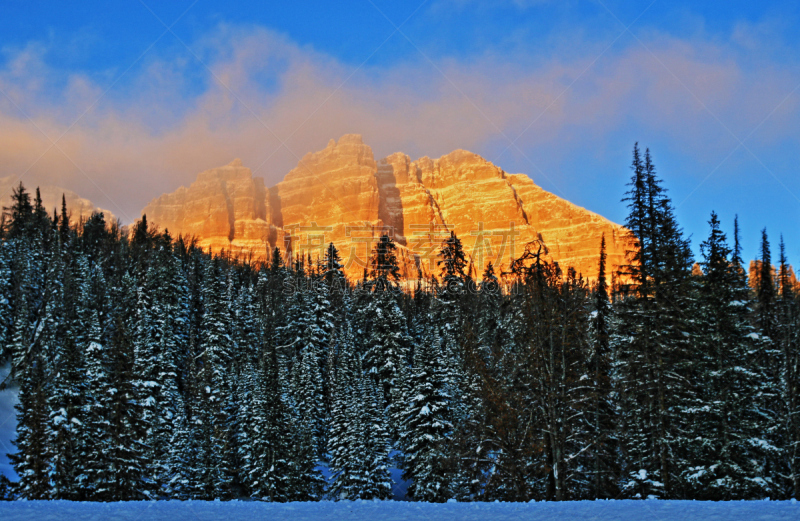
(149, 135)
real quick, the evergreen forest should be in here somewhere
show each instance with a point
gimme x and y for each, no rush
(147, 368)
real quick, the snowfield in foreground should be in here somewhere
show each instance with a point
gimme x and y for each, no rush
(402, 511)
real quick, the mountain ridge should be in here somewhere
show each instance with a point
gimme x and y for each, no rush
(342, 194)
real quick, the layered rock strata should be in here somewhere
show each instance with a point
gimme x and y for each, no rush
(343, 195)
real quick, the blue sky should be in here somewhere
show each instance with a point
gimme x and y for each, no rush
(557, 90)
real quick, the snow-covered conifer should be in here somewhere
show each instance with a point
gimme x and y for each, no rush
(427, 424)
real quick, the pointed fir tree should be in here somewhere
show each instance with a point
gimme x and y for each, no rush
(213, 420)
(97, 475)
(603, 465)
(359, 439)
(637, 223)
(765, 288)
(384, 270)
(68, 386)
(378, 482)
(6, 313)
(788, 338)
(769, 356)
(271, 469)
(32, 461)
(386, 353)
(490, 300)
(306, 338)
(450, 312)
(127, 425)
(332, 273)
(453, 263)
(653, 340)
(427, 424)
(19, 216)
(346, 445)
(725, 421)
(308, 420)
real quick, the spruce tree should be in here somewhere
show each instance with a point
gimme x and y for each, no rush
(97, 475)
(346, 444)
(32, 461)
(308, 420)
(311, 331)
(765, 288)
(427, 424)
(127, 426)
(603, 470)
(635, 272)
(725, 462)
(769, 359)
(332, 273)
(359, 441)
(653, 340)
(453, 263)
(19, 216)
(386, 353)
(212, 421)
(375, 434)
(160, 340)
(489, 312)
(449, 311)
(271, 468)
(788, 338)
(6, 313)
(384, 270)
(68, 386)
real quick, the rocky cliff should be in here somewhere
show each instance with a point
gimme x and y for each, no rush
(343, 195)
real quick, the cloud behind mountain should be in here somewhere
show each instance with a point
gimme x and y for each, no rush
(566, 119)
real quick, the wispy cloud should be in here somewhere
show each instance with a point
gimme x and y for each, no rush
(173, 118)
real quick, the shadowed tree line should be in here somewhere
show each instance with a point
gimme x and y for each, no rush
(149, 369)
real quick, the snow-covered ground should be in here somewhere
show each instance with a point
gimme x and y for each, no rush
(403, 511)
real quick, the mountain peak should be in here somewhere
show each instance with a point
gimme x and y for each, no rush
(341, 194)
(351, 139)
(235, 163)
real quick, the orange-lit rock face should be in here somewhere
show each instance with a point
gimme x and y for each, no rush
(754, 277)
(224, 208)
(342, 195)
